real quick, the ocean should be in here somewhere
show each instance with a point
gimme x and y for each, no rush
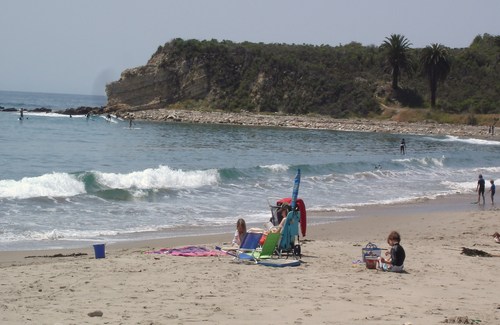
(69, 182)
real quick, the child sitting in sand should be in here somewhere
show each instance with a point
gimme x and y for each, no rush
(397, 255)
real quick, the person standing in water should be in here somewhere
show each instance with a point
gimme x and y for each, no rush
(402, 147)
(492, 191)
(480, 189)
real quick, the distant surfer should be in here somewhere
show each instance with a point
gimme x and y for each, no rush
(108, 117)
(22, 114)
(130, 122)
(402, 147)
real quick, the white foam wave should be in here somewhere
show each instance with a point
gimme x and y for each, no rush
(162, 177)
(276, 167)
(460, 187)
(113, 119)
(425, 161)
(48, 185)
(451, 138)
(43, 114)
(487, 170)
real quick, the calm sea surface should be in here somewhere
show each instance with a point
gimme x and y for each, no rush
(71, 182)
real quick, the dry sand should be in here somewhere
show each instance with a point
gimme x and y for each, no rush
(440, 284)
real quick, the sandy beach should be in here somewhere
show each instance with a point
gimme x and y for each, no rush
(440, 284)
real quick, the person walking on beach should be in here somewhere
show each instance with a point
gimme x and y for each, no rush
(480, 189)
(492, 190)
(402, 147)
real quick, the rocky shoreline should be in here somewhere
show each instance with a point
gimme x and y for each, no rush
(290, 121)
(308, 122)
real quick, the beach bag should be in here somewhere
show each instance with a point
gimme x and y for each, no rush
(370, 251)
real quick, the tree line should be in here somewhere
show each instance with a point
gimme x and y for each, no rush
(345, 80)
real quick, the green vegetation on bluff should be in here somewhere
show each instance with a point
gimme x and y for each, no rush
(341, 81)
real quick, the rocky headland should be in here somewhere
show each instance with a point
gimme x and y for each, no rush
(266, 85)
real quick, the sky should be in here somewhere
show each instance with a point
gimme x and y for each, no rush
(78, 46)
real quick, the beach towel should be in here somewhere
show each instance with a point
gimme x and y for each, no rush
(188, 251)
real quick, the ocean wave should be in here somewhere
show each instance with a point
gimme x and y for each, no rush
(162, 177)
(460, 187)
(424, 161)
(451, 138)
(276, 167)
(107, 185)
(48, 185)
(48, 114)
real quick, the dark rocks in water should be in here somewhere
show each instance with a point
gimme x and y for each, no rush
(34, 110)
(41, 110)
(8, 109)
(83, 110)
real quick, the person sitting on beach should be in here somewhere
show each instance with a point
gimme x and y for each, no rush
(480, 189)
(395, 263)
(241, 231)
(492, 190)
(282, 213)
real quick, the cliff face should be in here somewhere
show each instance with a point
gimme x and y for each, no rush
(154, 85)
(228, 76)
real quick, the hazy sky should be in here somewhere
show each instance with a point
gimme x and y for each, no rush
(77, 46)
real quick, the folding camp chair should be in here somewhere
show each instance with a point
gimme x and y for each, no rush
(249, 244)
(266, 251)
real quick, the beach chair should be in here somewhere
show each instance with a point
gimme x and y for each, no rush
(249, 244)
(268, 249)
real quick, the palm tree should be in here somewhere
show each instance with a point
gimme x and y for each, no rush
(396, 49)
(436, 66)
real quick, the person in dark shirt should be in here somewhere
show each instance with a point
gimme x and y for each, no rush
(402, 147)
(397, 255)
(480, 189)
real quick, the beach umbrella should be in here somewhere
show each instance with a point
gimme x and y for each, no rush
(295, 192)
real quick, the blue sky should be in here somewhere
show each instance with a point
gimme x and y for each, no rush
(77, 46)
